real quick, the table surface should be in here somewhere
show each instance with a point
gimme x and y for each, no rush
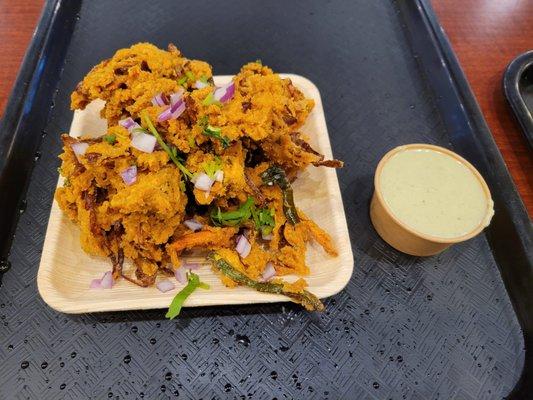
(485, 34)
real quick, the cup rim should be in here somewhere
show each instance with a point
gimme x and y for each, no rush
(489, 212)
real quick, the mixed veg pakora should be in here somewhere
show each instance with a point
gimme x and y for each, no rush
(185, 164)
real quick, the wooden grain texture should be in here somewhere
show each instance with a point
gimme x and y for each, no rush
(66, 271)
(17, 23)
(487, 35)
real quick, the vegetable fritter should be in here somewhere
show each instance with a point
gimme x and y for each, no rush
(187, 165)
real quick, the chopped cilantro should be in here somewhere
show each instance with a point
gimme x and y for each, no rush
(216, 133)
(213, 131)
(171, 151)
(175, 154)
(111, 138)
(210, 99)
(263, 219)
(211, 167)
(203, 79)
(177, 303)
(233, 218)
(190, 76)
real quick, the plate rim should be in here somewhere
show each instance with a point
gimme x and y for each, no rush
(69, 305)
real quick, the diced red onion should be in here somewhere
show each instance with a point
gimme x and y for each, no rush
(176, 97)
(164, 286)
(191, 266)
(96, 284)
(224, 93)
(172, 112)
(243, 246)
(269, 272)
(219, 92)
(267, 237)
(230, 92)
(200, 84)
(193, 225)
(159, 100)
(143, 142)
(176, 103)
(219, 175)
(129, 124)
(165, 115)
(79, 148)
(177, 107)
(129, 175)
(107, 280)
(180, 276)
(203, 182)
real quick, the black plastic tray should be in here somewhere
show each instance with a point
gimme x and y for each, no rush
(453, 326)
(518, 87)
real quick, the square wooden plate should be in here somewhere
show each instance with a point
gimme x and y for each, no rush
(65, 270)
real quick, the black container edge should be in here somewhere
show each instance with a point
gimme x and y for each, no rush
(511, 78)
(488, 159)
(51, 38)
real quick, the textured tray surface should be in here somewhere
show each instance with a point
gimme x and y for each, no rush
(65, 270)
(404, 327)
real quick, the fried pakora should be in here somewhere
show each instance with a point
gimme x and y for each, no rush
(185, 165)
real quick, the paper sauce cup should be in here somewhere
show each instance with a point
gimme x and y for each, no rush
(400, 235)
